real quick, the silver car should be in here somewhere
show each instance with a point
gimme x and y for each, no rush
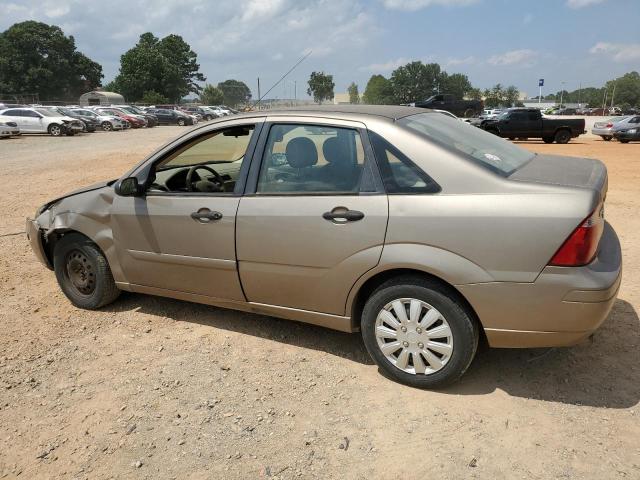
(413, 228)
(607, 128)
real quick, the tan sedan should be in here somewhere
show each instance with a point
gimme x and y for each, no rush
(418, 230)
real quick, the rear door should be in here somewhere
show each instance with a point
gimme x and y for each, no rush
(314, 217)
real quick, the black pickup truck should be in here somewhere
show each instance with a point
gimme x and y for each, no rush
(460, 108)
(525, 123)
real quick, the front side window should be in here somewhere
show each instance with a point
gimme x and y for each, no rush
(485, 149)
(311, 159)
(209, 164)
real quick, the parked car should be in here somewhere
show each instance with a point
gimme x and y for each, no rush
(106, 122)
(529, 123)
(205, 113)
(604, 128)
(41, 120)
(219, 111)
(151, 120)
(421, 234)
(136, 121)
(91, 124)
(171, 117)
(461, 108)
(9, 129)
(627, 135)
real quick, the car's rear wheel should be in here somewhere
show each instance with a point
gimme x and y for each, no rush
(547, 139)
(83, 273)
(106, 126)
(54, 130)
(468, 113)
(418, 332)
(563, 136)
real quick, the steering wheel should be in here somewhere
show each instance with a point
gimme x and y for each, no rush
(218, 180)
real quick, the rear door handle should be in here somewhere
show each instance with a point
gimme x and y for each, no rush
(204, 215)
(339, 214)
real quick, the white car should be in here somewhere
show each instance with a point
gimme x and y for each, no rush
(107, 122)
(40, 120)
(8, 129)
(219, 111)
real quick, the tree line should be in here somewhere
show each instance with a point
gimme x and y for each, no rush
(36, 58)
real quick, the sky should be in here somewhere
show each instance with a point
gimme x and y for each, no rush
(513, 42)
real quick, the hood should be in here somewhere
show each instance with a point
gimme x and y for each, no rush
(95, 186)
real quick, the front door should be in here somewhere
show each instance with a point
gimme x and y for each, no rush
(315, 220)
(180, 236)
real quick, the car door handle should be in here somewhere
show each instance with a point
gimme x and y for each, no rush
(204, 215)
(348, 215)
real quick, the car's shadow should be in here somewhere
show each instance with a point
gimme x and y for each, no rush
(603, 372)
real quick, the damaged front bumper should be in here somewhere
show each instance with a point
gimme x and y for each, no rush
(35, 235)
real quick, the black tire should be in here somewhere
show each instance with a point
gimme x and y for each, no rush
(54, 130)
(547, 139)
(622, 140)
(563, 136)
(464, 329)
(606, 138)
(106, 126)
(83, 272)
(512, 138)
(468, 113)
(181, 122)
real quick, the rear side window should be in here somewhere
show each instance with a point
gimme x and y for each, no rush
(399, 174)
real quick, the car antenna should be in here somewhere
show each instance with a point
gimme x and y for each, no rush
(281, 78)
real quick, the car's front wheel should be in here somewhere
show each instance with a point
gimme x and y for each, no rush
(106, 126)
(181, 122)
(83, 273)
(418, 332)
(55, 130)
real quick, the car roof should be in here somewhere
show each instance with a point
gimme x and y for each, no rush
(390, 112)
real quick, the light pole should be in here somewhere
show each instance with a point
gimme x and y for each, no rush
(561, 92)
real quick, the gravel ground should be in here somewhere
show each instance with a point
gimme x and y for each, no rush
(158, 388)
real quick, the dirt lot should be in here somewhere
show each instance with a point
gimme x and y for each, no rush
(158, 388)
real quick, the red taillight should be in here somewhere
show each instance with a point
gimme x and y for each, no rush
(582, 245)
(609, 125)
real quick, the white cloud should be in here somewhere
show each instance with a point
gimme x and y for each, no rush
(620, 52)
(575, 4)
(386, 66)
(414, 5)
(514, 57)
(455, 62)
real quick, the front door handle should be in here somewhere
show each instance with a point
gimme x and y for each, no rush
(204, 215)
(342, 214)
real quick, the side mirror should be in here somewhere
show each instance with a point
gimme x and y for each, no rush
(128, 187)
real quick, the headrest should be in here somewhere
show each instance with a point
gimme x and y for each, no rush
(301, 152)
(335, 155)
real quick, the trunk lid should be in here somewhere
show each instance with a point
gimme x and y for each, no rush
(563, 171)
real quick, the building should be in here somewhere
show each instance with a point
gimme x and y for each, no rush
(100, 97)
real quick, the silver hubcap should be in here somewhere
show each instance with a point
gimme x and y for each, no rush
(414, 336)
(55, 130)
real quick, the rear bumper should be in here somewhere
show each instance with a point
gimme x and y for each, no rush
(34, 235)
(561, 307)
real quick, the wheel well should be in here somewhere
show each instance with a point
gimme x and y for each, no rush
(51, 239)
(374, 282)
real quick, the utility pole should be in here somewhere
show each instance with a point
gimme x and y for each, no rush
(561, 92)
(295, 93)
(613, 94)
(259, 97)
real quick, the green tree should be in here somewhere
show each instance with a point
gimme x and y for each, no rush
(320, 87)
(39, 58)
(379, 91)
(511, 95)
(234, 92)
(474, 94)
(354, 96)
(457, 84)
(416, 81)
(211, 95)
(168, 67)
(152, 97)
(627, 89)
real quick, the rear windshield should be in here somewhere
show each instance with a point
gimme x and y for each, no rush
(486, 149)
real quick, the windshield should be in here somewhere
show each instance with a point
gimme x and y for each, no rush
(486, 149)
(47, 113)
(86, 113)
